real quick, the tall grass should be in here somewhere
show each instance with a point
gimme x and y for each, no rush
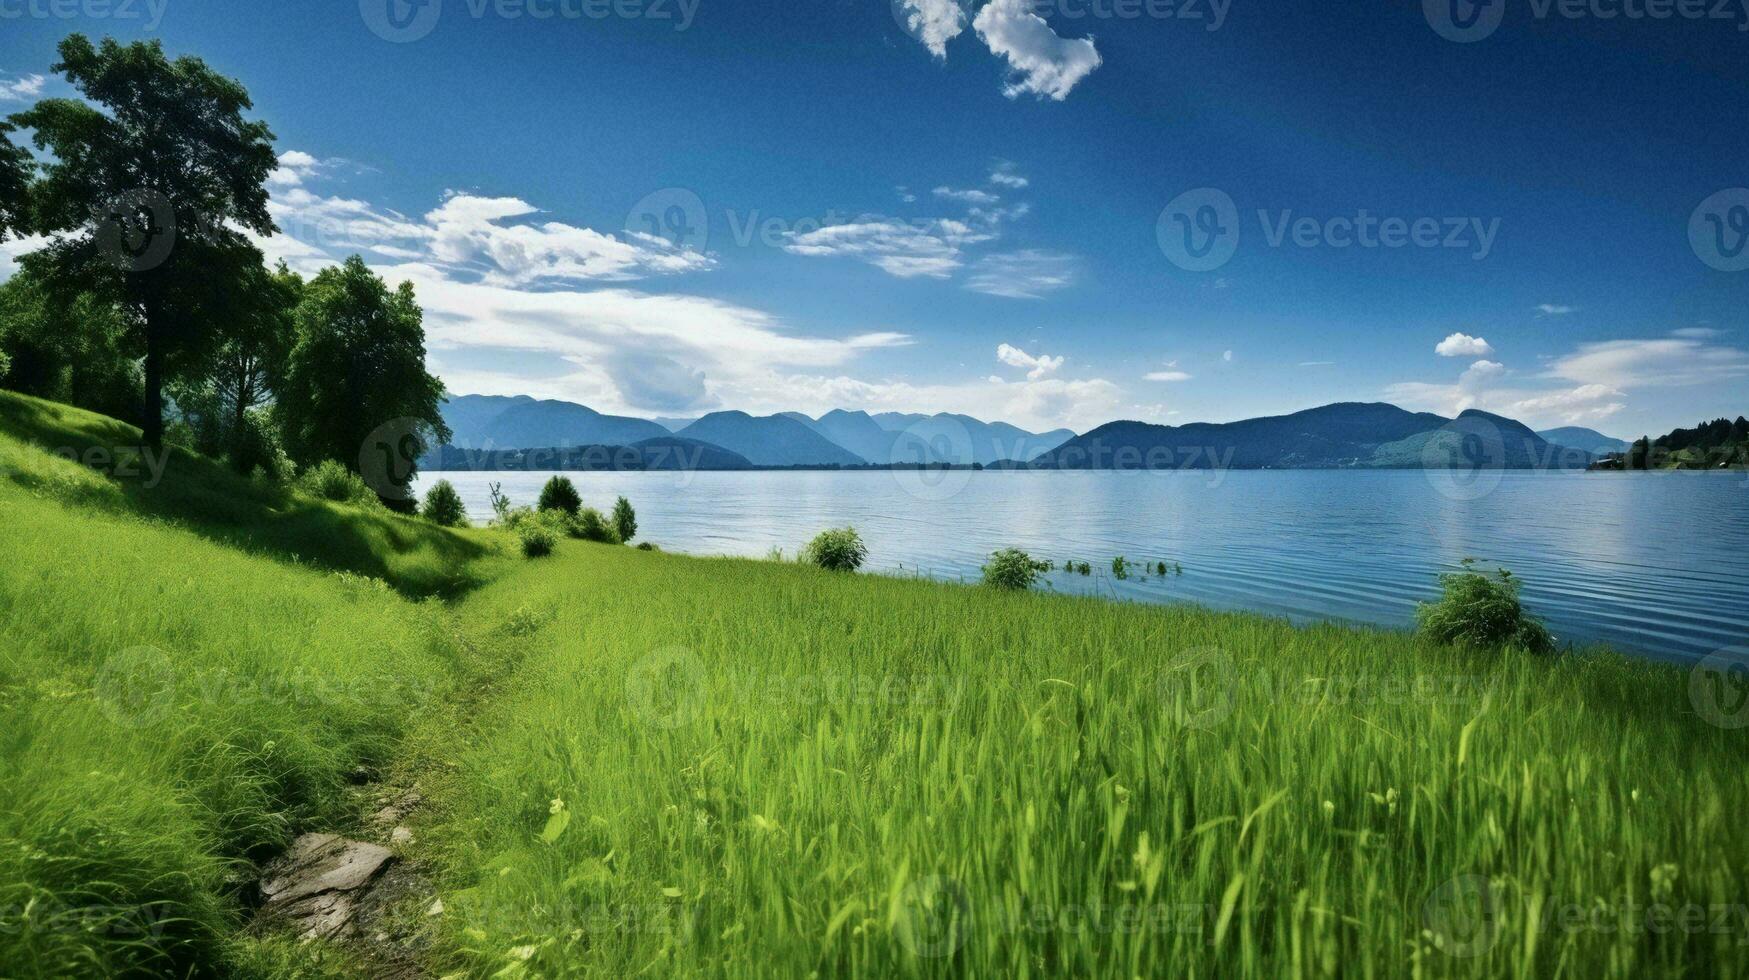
(737, 768)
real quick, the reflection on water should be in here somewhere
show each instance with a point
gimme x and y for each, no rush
(1647, 562)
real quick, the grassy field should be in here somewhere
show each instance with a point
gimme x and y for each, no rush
(677, 766)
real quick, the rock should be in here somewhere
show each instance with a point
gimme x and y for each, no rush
(401, 835)
(436, 907)
(396, 810)
(319, 883)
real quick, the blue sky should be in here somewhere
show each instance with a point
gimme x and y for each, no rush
(918, 205)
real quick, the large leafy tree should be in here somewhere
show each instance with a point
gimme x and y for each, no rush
(252, 356)
(80, 353)
(15, 173)
(355, 387)
(154, 178)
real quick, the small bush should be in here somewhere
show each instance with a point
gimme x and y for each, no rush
(625, 520)
(537, 541)
(838, 550)
(1120, 568)
(443, 506)
(591, 526)
(515, 517)
(331, 480)
(647, 546)
(1012, 568)
(1479, 610)
(560, 494)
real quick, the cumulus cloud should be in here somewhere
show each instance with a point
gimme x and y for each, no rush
(934, 22)
(1040, 62)
(21, 89)
(1036, 367)
(1026, 274)
(1463, 345)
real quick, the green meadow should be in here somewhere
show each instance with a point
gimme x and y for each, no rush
(643, 764)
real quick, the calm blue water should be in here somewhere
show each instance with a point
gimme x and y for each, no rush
(1656, 563)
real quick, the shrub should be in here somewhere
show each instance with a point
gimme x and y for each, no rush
(838, 550)
(1120, 568)
(515, 517)
(331, 480)
(443, 506)
(647, 546)
(591, 526)
(537, 541)
(1479, 610)
(625, 520)
(1012, 568)
(560, 494)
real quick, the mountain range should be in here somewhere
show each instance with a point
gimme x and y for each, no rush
(1344, 435)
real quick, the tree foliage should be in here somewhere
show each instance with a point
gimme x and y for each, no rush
(560, 494)
(356, 366)
(839, 550)
(152, 175)
(1484, 611)
(625, 520)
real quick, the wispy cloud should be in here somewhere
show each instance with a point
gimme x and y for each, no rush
(1553, 309)
(21, 89)
(1036, 366)
(1026, 274)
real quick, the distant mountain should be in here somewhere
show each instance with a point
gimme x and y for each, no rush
(1588, 440)
(892, 437)
(775, 440)
(661, 453)
(481, 421)
(1346, 435)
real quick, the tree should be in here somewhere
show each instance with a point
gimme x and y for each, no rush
(443, 506)
(80, 352)
(16, 168)
(560, 494)
(152, 176)
(625, 520)
(355, 388)
(244, 371)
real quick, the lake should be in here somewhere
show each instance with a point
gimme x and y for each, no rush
(1656, 563)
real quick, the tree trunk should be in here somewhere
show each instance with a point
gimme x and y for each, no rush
(152, 422)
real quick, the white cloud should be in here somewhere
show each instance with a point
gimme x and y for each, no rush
(296, 166)
(21, 89)
(1006, 174)
(1037, 367)
(1463, 345)
(1026, 274)
(1317, 363)
(1696, 333)
(1227, 356)
(1167, 376)
(1675, 361)
(934, 22)
(1480, 373)
(907, 249)
(972, 196)
(1042, 63)
(1553, 309)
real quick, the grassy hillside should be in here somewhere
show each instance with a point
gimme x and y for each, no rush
(677, 766)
